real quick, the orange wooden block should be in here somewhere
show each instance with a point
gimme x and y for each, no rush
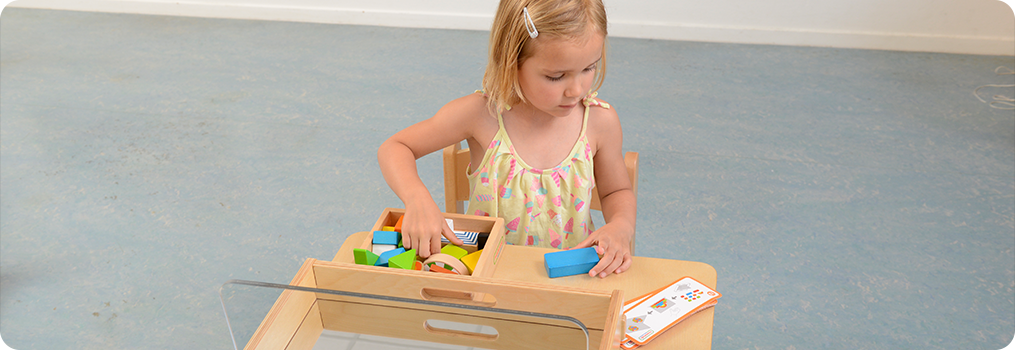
(436, 268)
(398, 224)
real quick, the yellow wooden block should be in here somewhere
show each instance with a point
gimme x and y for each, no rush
(472, 259)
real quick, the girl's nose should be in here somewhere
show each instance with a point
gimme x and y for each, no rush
(574, 88)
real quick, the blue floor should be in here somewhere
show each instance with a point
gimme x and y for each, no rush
(846, 198)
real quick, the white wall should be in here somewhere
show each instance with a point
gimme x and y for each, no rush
(956, 26)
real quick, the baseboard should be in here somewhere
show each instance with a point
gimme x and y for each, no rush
(816, 38)
(330, 15)
(979, 45)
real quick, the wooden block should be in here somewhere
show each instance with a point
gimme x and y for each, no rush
(381, 248)
(364, 257)
(467, 237)
(398, 224)
(455, 251)
(388, 228)
(403, 261)
(386, 237)
(570, 262)
(437, 268)
(383, 259)
(446, 261)
(472, 259)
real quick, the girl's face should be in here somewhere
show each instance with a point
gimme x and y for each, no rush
(560, 72)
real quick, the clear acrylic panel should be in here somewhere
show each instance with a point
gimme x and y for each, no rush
(311, 318)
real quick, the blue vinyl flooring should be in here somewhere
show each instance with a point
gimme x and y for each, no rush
(846, 198)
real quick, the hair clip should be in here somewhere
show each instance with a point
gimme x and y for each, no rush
(529, 25)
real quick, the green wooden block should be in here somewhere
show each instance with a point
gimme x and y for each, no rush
(403, 261)
(364, 257)
(455, 251)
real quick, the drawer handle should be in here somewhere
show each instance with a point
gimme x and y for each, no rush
(457, 329)
(458, 297)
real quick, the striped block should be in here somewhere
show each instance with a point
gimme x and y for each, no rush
(470, 238)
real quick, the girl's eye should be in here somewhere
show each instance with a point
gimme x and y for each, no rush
(590, 69)
(555, 78)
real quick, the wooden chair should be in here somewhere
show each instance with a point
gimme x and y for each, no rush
(456, 181)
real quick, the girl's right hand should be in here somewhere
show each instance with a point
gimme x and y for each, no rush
(422, 229)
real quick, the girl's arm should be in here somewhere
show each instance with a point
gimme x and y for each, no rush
(613, 240)
(424, 224)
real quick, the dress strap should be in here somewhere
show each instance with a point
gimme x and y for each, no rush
(500, 120)
(591, 100)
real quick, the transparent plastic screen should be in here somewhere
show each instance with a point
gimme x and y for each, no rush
(263, 315)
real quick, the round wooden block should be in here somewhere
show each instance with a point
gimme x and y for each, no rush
(447, 262)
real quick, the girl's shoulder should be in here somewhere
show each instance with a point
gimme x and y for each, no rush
(469, 117)
(468, 106)
(603, 127)
(602, 114)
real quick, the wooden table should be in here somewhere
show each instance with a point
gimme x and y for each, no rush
(525, 264)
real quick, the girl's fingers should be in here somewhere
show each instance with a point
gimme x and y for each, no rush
(434, 244)
(626, 265)
(450, 235)
(614, 264)
(405, 241)
(422, 247)
(604, 261)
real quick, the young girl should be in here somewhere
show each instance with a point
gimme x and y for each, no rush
(536, 131)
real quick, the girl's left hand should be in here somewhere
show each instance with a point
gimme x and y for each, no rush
(614, 248)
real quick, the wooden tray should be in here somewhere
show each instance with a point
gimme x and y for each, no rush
(297, 318)
(482, 224)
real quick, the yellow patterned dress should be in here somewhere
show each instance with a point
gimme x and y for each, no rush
(542, 207)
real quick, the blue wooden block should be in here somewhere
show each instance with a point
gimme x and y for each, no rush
(383, 259)
(570, 262)
(386, 237)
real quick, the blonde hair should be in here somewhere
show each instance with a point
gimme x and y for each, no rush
(509, 41)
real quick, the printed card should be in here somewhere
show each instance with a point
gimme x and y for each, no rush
(628, 344)
(652, 314)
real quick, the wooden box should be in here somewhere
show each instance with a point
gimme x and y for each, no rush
(298, 318)
(494, 244)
